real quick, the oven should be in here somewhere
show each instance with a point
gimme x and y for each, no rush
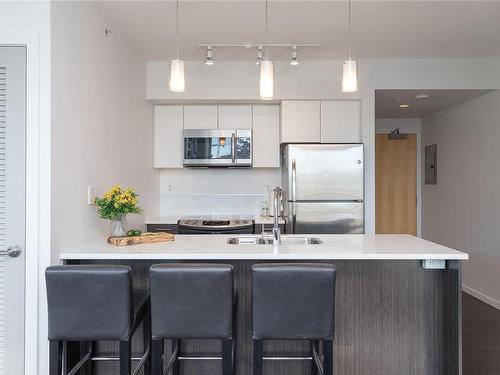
(215, 226)
(217, 148)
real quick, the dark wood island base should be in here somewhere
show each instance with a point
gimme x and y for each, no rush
(392, 317)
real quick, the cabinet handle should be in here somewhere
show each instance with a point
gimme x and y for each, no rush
(233, 147)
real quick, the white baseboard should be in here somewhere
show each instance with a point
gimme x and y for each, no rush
(483, 297)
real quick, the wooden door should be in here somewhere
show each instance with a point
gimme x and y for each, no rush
(396, 185)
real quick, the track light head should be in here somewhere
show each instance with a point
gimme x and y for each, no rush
(259, 55)
(294, 60)
(209, 60)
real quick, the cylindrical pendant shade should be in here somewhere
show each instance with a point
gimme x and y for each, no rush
(266, 80)
(350, 76)
(177, 76)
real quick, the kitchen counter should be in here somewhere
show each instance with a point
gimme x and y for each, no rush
(213, 247)
(388, 306)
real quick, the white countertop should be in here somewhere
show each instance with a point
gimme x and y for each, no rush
(174, 219)
(213, 247)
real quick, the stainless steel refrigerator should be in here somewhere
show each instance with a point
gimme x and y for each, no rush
(323, 188)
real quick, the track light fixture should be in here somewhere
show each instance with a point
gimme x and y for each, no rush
(259, 55)
(294, 60)
(209, 60)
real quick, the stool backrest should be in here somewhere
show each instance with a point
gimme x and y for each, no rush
(293, 301)
(89, 302)
(191, 300)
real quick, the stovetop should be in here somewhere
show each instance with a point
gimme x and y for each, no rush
(216, 221)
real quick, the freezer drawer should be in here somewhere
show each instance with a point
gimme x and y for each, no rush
(325, 217)
(323, 172)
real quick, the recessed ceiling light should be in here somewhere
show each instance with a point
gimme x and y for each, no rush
(421, 96)
(404, 106)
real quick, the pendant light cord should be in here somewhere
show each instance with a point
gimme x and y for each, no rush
(267, 44)
(349, 33)
(177, 28)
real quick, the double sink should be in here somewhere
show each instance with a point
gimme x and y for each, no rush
(269, 241)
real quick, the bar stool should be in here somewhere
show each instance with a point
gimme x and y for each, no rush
(294, 301)
(88, 303)
(191, 301)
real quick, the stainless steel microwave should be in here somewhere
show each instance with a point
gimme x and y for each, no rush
(217, 148)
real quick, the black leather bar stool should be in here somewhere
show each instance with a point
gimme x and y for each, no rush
(191, 301)
(88, 303)
(294, 301)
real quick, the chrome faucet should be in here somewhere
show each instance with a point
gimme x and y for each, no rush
(277, 195)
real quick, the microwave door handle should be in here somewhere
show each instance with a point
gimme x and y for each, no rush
(233, 147)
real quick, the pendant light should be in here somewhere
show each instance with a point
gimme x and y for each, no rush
(177, 83)
(350, 66)
(266, 73)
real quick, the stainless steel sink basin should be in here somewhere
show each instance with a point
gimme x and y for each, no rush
(301, 240)
(269, 241)
(249, 241)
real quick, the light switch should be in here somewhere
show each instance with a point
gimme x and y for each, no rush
(90, 194)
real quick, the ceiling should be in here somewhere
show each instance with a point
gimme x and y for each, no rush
(380, 29)
(387, 102)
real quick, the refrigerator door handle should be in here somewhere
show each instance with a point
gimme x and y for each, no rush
(294, 180)
(294, 216)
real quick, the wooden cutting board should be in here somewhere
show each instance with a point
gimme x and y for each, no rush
(143, 238)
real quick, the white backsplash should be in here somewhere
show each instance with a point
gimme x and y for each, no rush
(215, 191)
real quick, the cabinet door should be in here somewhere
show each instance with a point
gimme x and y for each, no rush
(300, 121)
(340, 121)
(167, 137)
(232, 116)
(200, 116)
(266, 132)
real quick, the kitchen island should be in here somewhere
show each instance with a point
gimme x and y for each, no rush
(392, 315)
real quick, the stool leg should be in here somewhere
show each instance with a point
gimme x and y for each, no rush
(146, 342)
(86, 347)
(55, 362)
(125, 360)
(328, 357)
(227, 357)
(258, 357)
(176, 346)
(156, 357)
(314, 366)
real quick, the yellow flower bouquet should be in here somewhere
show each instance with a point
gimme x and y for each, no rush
(115, 205)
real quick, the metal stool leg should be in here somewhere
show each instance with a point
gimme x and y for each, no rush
(55, 358)
(125, 360)
(258, 357)
(328, 357)
(176, 348)
(146, 343)
(227, 357)
(314, 365)
(157, 357)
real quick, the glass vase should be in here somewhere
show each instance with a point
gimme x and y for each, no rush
(119, 227)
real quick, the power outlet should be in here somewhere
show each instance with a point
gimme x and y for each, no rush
(90, 194)
(434, 264)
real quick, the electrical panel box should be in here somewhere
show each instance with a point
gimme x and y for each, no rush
(431, 165)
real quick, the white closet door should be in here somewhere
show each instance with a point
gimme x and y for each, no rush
(12, 208)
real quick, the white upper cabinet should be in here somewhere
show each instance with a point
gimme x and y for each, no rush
(200, 116)
(167, 137)
(266, 136)
(235, 116)
(340, 121)
(300, 121)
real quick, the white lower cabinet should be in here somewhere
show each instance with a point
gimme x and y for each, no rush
(167, 136)
(340, 121)
(266, 136)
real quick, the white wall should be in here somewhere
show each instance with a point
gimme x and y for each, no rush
(101, 123)
(215, 191)
(462, 210)
(408, 126)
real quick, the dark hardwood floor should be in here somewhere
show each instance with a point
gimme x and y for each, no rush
(481, 337)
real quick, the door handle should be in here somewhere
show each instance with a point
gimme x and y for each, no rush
(12, 251)
(294, 180)
(233, 147)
